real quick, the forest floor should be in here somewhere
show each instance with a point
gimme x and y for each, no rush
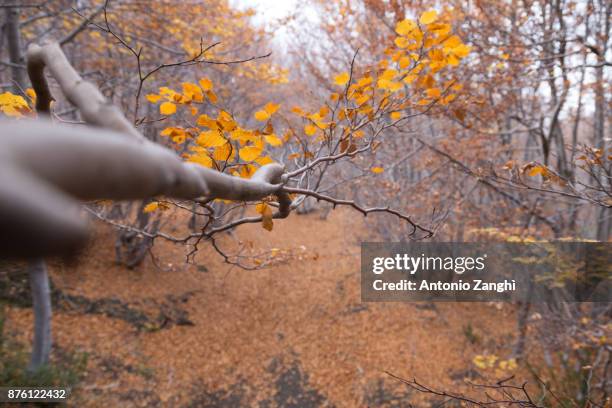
(294, 334)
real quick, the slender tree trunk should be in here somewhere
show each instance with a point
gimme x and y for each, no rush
(41, 300)
(37, 269)
(604, 215)
(522, 324)
(18, 73)
(131, 248)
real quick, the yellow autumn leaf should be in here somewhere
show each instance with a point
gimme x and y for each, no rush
(267, 222)
(266, 219)
(211, 138)
(8, 98)
(427, 81)
(250, 153)
(224, 152)
(272, 140)
(401, 42)
(341, 79)
(13, 105)
(389, 74)
(436, 55)
(192, 91)
(440, 29)
(165, 91)
(150, 207)
(480, 362)
(206, 84)
(153, 98)
(167, 108)
(534, 171)
(362, 99)
(395, 86)
(365, 81)
(271, 108)
(31, 94)
(452, 42)
(172, 131)
(179, 139)
(266, 215)
(452, 60)
(365, 109)
(404, 62)
(512, 365)
(261, 207)
(433, 92)
(377, 170)
(201, 159)
(226, 121)
(408, 79)
(383, 83)
(263, 160)
(212, 97)
(449, 98)
(262, 115)
(205, 121)
(310, 129)
(298, 111)
(405, 27)
(324, 111)
(428, 17)
(392, 86)
(462, 50)
(396, 115)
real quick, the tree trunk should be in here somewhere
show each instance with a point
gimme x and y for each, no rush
(41, 301)
(604, 215)
(14, 50)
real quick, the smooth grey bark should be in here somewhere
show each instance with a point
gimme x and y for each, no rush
(46, 168)
(95, 109)
(603, 214)
(13, 37)
(41, 303)
(601, 135)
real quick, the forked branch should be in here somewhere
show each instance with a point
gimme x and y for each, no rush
(45, 168)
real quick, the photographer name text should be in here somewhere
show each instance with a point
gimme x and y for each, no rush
(413, 264)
